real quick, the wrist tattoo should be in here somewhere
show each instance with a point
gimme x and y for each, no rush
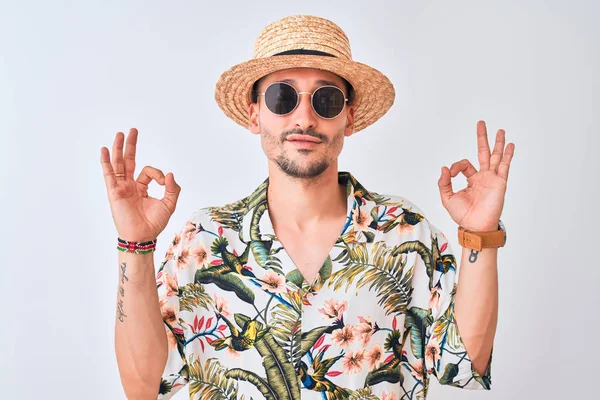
(123, 268)
(120, 313)
(473, 256)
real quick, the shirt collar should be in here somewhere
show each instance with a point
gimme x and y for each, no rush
(257, 225)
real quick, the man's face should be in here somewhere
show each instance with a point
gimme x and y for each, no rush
(285, 138)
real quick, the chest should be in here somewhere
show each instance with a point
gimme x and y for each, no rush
(308, 251)
(257, 321)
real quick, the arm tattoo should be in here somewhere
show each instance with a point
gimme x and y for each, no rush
(121, 315)
(123, 268)
(473, 256)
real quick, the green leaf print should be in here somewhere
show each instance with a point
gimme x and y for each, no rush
(231, 219)
(376, 265)
(262, 249)
(375, 213)
(281, 374)
(324, 273)
(242, 319)
(264, 255)
(361, 394)
(193, 295)
(285, 326)
(259, 196)
(229, 282)
(309, 338)
(389, 372)
(261, 384)
(443, 323)
(370, 236)
(210, 381)
(417, 320)
(295, 277)
(422, 250)
(449, 373)
(257, 214)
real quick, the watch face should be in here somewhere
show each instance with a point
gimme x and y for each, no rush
(501, 225)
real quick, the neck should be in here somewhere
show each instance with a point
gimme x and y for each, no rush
(299, 204)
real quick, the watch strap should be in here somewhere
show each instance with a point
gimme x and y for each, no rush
(479, 240)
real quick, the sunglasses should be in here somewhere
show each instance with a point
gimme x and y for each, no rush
(282, 98)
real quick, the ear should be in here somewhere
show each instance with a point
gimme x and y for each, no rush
(349, 131)
(254, 120)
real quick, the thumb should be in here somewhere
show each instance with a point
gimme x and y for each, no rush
(172, 190)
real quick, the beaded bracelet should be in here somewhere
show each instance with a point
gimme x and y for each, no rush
(136, 247)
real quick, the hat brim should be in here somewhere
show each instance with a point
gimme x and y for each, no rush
(374, 92)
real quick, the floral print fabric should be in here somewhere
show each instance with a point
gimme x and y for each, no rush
(377, 323)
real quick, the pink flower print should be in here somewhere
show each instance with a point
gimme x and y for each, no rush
(365, 329)
(352, 362)
(434, 298)
(200, 254)
(190, 230)
(173, 247)
(171, 285)
(231, 352)
(432, 352)
(417, 369)
(388, 396)
(404, 228)
(361, 219)
(183, 259)
(222, 306)
(374, 356)
(273, 282)
(169, 313)
(333, 309)
(343, 337)
(171, 340)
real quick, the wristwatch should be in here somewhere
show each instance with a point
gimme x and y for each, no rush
(479, 240)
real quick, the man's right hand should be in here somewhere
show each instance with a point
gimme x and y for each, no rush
(137, 216)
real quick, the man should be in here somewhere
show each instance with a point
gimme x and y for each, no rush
(312, 286)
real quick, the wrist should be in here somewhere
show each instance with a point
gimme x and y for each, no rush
(144, 247)
(485, 227)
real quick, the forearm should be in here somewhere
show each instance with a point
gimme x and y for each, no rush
(140, 336)
(476, 304)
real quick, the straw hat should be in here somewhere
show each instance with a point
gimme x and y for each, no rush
(305, 41)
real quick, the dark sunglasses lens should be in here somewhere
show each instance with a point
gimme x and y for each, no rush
(281, 98)
(328, 101)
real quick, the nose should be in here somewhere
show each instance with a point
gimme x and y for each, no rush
(304, 116)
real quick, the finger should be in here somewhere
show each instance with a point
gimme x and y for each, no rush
(107, 169)
(463, 166)
(172, 190)
(445, 186)
(505, 163)
(117, 153)
(498, 150)
(148, 173)
(129, 158)
(483, 147)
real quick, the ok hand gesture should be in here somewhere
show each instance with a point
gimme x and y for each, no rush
(137, 216)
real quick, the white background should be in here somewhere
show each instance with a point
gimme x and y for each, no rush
(72, 74)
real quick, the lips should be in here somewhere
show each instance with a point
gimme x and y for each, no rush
(303, 138)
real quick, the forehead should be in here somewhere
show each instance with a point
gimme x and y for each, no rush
(304, 77)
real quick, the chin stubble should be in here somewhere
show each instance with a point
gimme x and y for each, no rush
(293, 168)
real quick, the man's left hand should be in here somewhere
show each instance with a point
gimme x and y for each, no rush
(478, 206)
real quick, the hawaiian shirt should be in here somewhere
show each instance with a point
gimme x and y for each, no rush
(377, 323)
